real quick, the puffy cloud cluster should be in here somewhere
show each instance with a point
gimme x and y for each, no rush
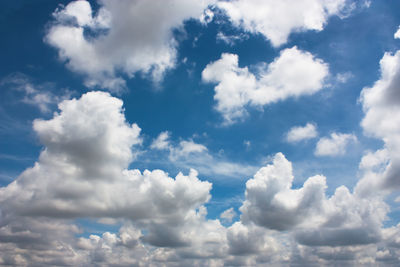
(276, 20)
(294, 73)
(122, 36)
(82, 172)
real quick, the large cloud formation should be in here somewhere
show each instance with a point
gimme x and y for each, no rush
(83, 172)
(123, 36)
(381, 104)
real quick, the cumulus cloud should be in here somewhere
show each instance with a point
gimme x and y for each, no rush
(121, 37)
(316, 220)
(334, 145)
(381, 104)
(248, 240)
(82, 172)
(397, 34)
(294, 73)
(277, 20)
(299, 133)
(161, 142)
(270, 201)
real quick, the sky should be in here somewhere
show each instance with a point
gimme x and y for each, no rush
(200, 133)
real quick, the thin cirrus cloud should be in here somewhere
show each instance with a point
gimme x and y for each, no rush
(187, 154)
(293, 74)
(300, 133)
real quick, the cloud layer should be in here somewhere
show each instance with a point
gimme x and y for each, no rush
(83, 173)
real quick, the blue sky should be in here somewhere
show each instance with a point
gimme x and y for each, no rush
(269, 130)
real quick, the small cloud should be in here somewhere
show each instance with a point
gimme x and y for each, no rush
(228, 215)
(231, 39)
(207, 16)
(397, 34)
(247, 143)
(334, 145)
(344, 77)
(161, 142)
(299, 133)
(34, 94)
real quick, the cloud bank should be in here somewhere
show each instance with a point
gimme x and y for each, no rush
(83, 173)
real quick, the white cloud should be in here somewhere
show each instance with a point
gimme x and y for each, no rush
(315, 220)
(187, 154)
(231, 39)
(397, 34)
(130, 37)
(381, 104)
(270, 201)
(299, 133)
(161, 142)
(276, 20)
(228, 215)
(334, 145)
(294, 73)
(82, 172)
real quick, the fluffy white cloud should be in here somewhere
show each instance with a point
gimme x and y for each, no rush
(316, 220)
(161, 142)
(294, 73)
(381, 104)
(277, 19)
(397, 34)
(299, 133)
(334, 145)
(270, 201)
(82, 172)
(123, 36)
